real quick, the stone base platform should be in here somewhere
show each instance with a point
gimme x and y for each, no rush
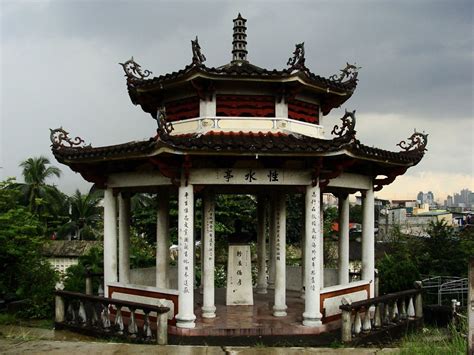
(256, 320)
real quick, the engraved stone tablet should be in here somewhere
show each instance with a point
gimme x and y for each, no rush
(239, 276)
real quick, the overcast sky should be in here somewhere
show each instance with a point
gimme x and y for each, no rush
(59, 68)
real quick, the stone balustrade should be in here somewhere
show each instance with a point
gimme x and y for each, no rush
(110, 317)
(362, 317)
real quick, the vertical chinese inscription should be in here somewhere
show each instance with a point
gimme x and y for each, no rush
(187, 244)
(277, 231)
(210, 231)
(314, 235)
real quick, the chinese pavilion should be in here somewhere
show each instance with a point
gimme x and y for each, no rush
(240, 128)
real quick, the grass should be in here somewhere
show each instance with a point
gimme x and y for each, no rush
(434, 341)
(8, 319)
(11, 319)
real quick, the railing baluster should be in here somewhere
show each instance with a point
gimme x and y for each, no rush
(411, 309)
(100, 290)
(119, 320)
(386, 313)
(105, 317)
(394, 313)
(82, 314)
(403, 310)
(377, 316)
(147, 327)
(132, 325)
(70, 314)
(366, 326)
(357, 323)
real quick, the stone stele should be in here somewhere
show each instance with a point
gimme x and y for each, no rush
(239, 276)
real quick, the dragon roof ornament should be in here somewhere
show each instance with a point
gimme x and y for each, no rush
(198, 57)
(59, 136)
(350, 73)
(133, 70)
(415, 143)
(297, 61)
(347, 128)
(165, 127)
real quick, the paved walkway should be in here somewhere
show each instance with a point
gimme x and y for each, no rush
(25, 340)
(18, 346)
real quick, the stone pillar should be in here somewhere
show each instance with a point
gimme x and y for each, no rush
(110, 239)
(303, 251)
(368, 240)
(279, 307)
(124, 238)
(343, 261)
(312, 313)
(271, 245)
(162, 240)
(261, 245)
(207, 253)
(321, 246)
(185, 317)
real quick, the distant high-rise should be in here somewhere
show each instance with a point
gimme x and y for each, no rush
(425, 197)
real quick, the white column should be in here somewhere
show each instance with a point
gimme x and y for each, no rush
(343, 261)
(124, 238)
(207, 108)
(110, 239)
(279, 308)
(281, 109)
(162, 240)
(207, 252)
(368, 240)
(321, 246)
(303, 252)
(185, 317)
(271, 245)
(312, 313)
(261, 245)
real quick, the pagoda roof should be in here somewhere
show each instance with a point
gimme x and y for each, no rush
(148, 91)
(338, 91)
(239, 143)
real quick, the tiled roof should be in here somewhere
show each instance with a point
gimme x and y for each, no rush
(68, 248)
(239, 143)
(243, 70)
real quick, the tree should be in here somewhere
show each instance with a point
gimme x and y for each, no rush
(24, 273)
(35, 173)
(84, 215)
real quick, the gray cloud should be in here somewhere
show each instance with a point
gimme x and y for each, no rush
(59, 65)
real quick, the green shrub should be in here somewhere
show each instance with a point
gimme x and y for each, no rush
(397, 274)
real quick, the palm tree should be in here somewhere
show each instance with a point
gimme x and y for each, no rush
(35, 173)
(84, 213)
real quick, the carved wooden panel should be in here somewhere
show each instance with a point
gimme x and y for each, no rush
(182, 109)
(303, 111)
(245, 106)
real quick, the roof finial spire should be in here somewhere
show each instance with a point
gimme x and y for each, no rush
(239, 43)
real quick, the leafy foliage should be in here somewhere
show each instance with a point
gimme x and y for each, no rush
(23, 271)
(84, 215)
(74, 279)
(443, 253)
